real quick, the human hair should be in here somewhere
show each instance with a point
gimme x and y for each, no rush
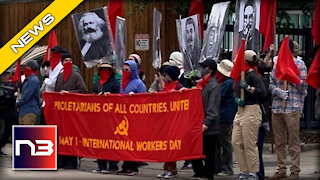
(93, 16)
(190, 21)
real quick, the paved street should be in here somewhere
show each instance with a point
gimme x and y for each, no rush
(309, 168)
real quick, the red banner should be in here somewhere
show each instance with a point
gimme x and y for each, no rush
(143, 127)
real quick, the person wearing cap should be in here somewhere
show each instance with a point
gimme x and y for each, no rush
(210, 92)
(248, 119)
(176, 59)
(228, 110)
(130, 84)
(170, 78)
(286, 120)
(136, 58)
(106, 84)
(29, 104)
(69, 81)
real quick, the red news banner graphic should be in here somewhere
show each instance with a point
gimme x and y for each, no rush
(143, 127)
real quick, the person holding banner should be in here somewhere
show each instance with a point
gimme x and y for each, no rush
(69, 81)
(170, 78)
(286, 119)
(130, 84)
(211, 104)
(107, 84)
(248, 118)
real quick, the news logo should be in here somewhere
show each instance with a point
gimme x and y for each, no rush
(34, 147)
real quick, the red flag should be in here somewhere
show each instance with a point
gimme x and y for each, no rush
(239, 64)
(52, 41)
(286, 69)
(313, 78)
(267, 25)
(316, 24)
(196, 7)
(17, 73)
(115, 9)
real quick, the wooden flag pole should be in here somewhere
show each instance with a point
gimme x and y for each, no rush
(284, 87)
(242, 90)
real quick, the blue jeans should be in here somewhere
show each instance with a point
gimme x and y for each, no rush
(261, 136)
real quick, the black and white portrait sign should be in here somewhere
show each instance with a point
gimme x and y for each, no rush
(94, 36)
(120, 42)
(189, 40)
(215, 31)
(247, 24)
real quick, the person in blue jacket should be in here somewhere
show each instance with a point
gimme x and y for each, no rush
(130, 84)
(228, 110)
(29, 104)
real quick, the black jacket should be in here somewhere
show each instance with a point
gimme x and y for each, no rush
(211, 106)
(112, 86)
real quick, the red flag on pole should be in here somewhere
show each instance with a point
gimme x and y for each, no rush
(313, 78)
(286, 69)
(17, 73)
(316, 24)
(239, 64)
(115, 9)
(196, 7)
(52, 41)
(267, 25)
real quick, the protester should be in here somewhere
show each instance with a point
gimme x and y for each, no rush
(248, 119)
(106, 84)
(286, 120)
(69, 81)
(158, 83)
(265, 105)
(170, 77)
(8, 111)
(136, 58)
(29, 104)
(130, 84)
(52, 69)
(227, 112)
(211, 102)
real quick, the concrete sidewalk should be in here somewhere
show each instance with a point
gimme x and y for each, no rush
(309, 168)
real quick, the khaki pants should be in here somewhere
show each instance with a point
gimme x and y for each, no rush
(286, 129)
(244, 137)
(28, 119)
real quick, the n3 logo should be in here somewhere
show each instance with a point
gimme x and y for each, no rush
(48, 147)
(34, 147)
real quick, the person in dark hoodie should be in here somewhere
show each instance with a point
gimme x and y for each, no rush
(211, 104)
(171, 80)
(106, 84)
(130, 84)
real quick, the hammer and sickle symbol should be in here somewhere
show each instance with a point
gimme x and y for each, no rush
(123, 127)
